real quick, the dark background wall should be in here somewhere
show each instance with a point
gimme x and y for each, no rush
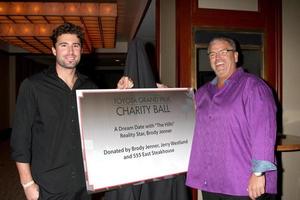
(4, 91)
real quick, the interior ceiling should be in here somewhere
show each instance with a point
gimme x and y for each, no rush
(31, 27)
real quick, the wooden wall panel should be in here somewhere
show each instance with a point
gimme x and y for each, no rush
(184, 42)
(267, 20)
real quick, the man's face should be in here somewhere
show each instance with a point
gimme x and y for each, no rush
(67, 51)
(222, 59)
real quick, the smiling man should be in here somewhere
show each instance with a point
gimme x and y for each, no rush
(233, 155)
(45, 139)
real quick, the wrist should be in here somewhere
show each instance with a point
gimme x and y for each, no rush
(28, 184)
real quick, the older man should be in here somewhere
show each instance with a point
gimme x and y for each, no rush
(233, 147)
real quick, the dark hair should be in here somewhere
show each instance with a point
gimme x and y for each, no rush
(229, 40)
(67, 28)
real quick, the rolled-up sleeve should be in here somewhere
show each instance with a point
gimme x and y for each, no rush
(23, 119)
(261, 115)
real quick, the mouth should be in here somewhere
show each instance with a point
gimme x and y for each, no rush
(220, 65)
(70, 59)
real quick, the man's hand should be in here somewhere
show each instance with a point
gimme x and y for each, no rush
(32, 192)
(125, 83)
(256, 186)
(31, 189)
(159, 85)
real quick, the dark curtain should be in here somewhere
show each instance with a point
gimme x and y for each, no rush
(138, 68)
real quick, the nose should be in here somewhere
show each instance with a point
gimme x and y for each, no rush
(218, 55)
(71, 49)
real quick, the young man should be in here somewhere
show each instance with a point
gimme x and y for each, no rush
(45, 139)
(233, 153)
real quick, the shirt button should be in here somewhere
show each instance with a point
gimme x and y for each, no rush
(205, 183)
(73, 174)
(72, 107)
(72, 120)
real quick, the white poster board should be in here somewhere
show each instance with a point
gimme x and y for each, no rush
(135, 135)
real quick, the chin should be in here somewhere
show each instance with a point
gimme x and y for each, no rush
(69, 67)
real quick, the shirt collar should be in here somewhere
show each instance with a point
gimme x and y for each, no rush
(233, 78)
(52, 72)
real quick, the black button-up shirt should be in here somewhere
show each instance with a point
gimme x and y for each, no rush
(46, 131)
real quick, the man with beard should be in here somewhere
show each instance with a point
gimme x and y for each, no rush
(233, 154)
(45, 138)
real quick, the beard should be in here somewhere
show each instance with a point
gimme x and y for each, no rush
(66, 64)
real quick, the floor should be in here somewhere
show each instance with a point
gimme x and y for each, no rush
(10, 188)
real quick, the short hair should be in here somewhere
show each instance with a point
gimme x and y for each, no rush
(227, 39)
(67, 28)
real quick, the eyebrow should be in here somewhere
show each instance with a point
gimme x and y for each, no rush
(227, 49)
(68, 43)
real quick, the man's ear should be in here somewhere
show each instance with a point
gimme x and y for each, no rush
(236, 56)
(53, 51)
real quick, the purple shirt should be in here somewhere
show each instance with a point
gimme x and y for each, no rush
(234, 126)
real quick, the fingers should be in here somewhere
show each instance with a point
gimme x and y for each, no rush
(32, 192)
(161, 85)
(255, 192)
(125, 83)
